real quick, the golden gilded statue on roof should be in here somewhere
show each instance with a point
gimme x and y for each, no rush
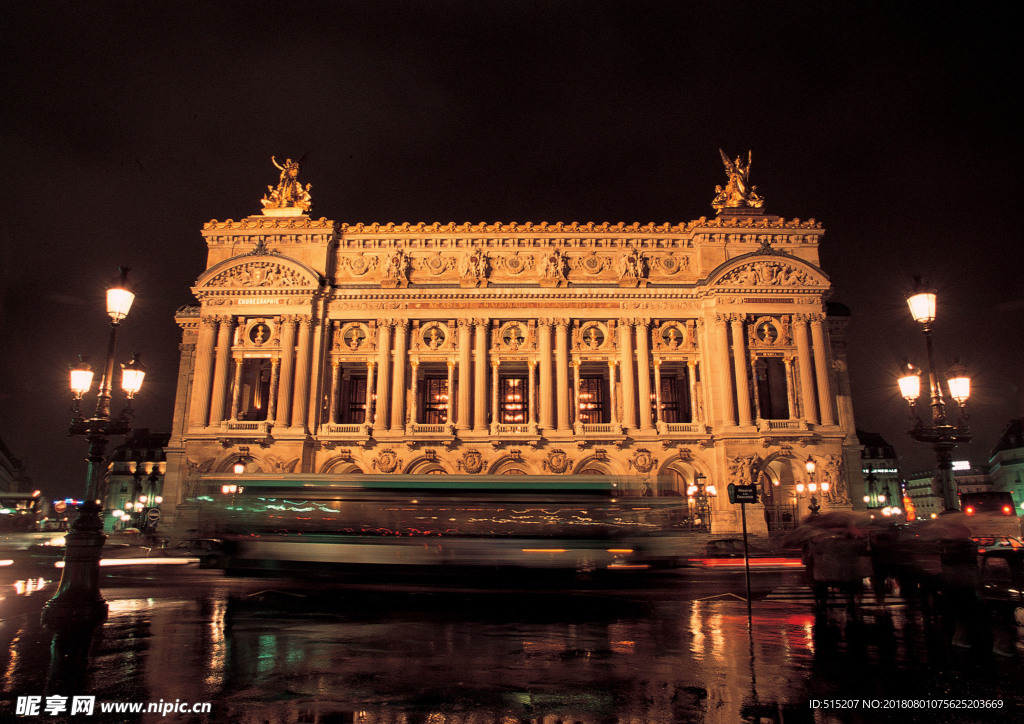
(738, 193)
(289, 193)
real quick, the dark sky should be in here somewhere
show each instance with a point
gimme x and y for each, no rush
(127, 125)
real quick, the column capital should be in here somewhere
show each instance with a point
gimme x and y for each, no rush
(563, 322)
(545, 322)
(451, 363)
(465, 323)
(481, 321)
(209, 321)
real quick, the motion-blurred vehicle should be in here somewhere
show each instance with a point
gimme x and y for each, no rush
(1002, 582)
(210, 551)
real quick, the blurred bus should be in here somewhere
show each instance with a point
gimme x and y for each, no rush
(20, 512)
(573, 523)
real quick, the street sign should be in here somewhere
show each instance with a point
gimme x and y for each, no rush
(60, 506)
(153, 515)
(742, 493)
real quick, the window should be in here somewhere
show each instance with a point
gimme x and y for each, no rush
(772, 391)
(434, 401)
(255, 389)
(593, 400)
(356, 407)
(675, 398)
(512, 402)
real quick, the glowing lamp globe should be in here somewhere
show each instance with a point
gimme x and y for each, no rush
(959, 383)
(132, 374)
(120, 298)
(81, 379)
(910, 383)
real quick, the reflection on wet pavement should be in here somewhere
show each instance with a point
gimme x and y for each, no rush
(393, 655)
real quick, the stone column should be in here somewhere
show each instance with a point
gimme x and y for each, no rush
(724, 373)
(531, 397)
(220, 370)
(275, 380)
(628, 386)
(200, 407)
(612, 398)
(739, 355)
(300, 401)
(643, 372)
(451, 391)
(371, 367)
(236, 389)
(562, 374)
(790, 386)
(495, 418)
(383, 378)
(284, 391)
(691, 373)
(657, 393)
(480, 378)
(803, 351)
(335, 389)
(547, 392)
(821, 368)
(413, 396)
(398, 376)
(463, 408)
(754, 395)
(576, 396)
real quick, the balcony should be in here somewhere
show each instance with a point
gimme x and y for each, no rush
(781, 425)
(254, 428)
(341, 432)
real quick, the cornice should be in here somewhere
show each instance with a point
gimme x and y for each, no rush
(578, 227)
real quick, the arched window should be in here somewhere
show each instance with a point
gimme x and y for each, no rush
(671, 483)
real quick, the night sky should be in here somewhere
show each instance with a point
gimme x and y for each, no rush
(127, 125)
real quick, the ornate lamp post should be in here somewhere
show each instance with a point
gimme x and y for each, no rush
(812, 487)
(78, 601)
(873, 499)
(940, 434)
(700, 495)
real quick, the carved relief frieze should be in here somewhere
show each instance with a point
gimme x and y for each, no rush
(592, 263)
(552, 269)
(387, 461)
(515, 263)
(474, 267)
(434, 264)
(395, 272)
(256, 274)
(557, 461)
(767, 274)
(643, 461)
(471, 462)
(669, 264)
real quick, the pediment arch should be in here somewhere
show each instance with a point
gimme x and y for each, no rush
(775, 270)
(258, 274)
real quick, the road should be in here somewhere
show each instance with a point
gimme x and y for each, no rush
(669, 647)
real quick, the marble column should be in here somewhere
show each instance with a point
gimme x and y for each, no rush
(300, 401)
(200, 404)
(451, 392)
(414, 396)
(628, 385)
(739, 352)
(335, 389)
(790, 387)
(612, 397)
(724, 373)
(576, 395)
(284, 391)
(657, 393)
(691, 374)
(371, 368)
(547, 392)
(398, 376)
(236, 389)
(383, 406)
(821, 369)
(463, 409)
(803, 351)
(532, 396)
(480, 377)
(275, 380)
(562, 374)
(495, 417)
(221, 369)
(643, 372)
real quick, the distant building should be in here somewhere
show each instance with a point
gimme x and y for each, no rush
(969, 479)
(883, 481)
(13, 478)
(135, 482)
(1006, 463)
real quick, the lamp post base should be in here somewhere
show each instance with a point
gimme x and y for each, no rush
(78, 601)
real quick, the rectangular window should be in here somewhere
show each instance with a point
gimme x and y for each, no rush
(772, 391)
(356, 407)
(512, 394)
(434, 400)
(675, 398)
(593, 400)
(255, 389)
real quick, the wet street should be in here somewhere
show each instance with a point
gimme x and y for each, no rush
(670, 646)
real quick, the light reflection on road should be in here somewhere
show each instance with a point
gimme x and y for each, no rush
(264, 652)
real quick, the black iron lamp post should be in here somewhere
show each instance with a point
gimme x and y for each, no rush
(873, 498)
(78, 601)
(700, 495)
(811, 487)
(940, 434)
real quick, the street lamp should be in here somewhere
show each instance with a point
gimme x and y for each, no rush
(700, 495)
(812, 487)
(940, 434)
(78, 601)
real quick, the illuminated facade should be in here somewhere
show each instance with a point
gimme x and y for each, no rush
(663, 352)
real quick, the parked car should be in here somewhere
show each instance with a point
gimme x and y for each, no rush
(1002, 582)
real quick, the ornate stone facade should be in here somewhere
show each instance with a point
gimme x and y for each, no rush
(654, 351)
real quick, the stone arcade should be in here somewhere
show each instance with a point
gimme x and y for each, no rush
(656, 351)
